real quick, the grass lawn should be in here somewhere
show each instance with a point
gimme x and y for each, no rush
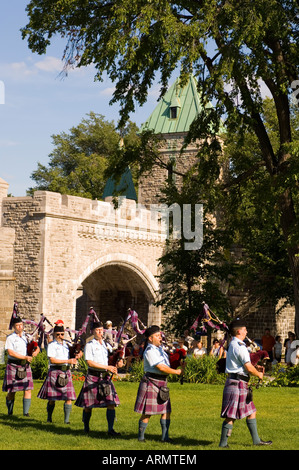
(195, 422)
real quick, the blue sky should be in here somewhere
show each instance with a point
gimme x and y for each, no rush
(38, 103)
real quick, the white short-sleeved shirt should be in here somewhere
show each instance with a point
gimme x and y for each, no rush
(237, 356)
(58, 350)
(17, 344)
(153, 356)
(97, 352)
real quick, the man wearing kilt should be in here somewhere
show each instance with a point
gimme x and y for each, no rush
(58, 384)
(98, 391)
(149, 399)
(18, 374)
(237, 401)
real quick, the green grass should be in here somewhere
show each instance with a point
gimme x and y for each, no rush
(195, 422)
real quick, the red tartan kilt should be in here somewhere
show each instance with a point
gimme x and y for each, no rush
(11, 384)
(147, 401)
(50, 391)
(89, 398)
(234, 404)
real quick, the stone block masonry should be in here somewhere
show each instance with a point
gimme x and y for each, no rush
(61, 241)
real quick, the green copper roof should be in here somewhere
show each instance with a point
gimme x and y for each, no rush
(125, 186)
(186, 100)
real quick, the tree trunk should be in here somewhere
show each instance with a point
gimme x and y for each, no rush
(288, 222)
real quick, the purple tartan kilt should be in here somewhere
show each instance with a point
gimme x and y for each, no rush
(234, 404)
(147, 401)
(51, 391)
(88, 396)
(12, 384)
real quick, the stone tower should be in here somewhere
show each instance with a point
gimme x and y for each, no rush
(171, 120)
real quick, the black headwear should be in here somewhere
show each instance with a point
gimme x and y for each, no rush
(16, 320)
(96, 324)
(58, 328)
(237, 323)
(151, 330)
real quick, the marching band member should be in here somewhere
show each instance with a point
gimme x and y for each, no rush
(18, 374)
(237, 402)
(150, 401)
(98, 390)
(58, 384)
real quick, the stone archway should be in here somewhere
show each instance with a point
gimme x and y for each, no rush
(114, 283)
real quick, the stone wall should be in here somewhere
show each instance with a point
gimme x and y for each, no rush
(150, 184)
(62, 241)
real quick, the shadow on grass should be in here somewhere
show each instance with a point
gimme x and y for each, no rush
(19, 422)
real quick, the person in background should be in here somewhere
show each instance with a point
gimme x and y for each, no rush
(197, 349)
(109, 334)
(277, 349)
(268, 343)
(217, 350)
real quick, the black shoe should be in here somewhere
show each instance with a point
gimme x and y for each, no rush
(113, 433)
(167, 440)
(27, 415)
(264, 443)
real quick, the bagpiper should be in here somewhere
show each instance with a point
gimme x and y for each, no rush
(18, 373)
(153, 393)
(58, 384)
(98, 390)
(237, 399)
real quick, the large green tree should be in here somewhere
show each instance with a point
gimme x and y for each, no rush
(232, 47)
(80, 157)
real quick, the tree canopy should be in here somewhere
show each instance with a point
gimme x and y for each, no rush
(81, 156)
(233, 48)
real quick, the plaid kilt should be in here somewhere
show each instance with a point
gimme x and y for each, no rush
(51, 391)
(12, 384)
(147, 400)
(89, 397)
(234, 400)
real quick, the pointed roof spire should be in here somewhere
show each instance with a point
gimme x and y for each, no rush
(176, 110)
(125, 186)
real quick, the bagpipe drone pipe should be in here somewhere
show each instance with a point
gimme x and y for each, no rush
(39, 334)
(77, 344)
(257, 356)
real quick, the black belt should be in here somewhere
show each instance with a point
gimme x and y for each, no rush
(17, 362)
(98, 373)
(239, 377)
(64, 368)
(156, 376)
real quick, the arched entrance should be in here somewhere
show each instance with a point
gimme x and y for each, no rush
(112, 285)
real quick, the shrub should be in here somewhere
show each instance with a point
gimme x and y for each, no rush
(39, 365)
(202, 370)
(285, 376)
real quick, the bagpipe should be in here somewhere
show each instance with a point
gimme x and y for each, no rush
(132, 316)
(207, 317)
(76, 345)
(38, 336)
(117, 358)
(177, 359)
